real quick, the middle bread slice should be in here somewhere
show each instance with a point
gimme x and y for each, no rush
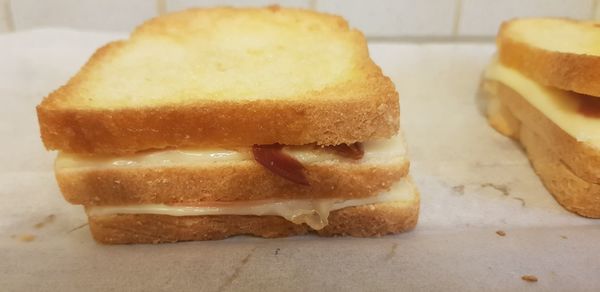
(192, 176)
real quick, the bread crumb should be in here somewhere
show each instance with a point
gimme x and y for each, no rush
(501, 233)
(459, 189)
(529, 278)
(48, 219)
(27, 238)
(563, 237)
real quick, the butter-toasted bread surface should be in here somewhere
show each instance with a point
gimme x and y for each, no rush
(226, 77)
(360, 221)
(555, 52)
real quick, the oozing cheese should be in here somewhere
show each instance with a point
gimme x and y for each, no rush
(375, 151)
(312, 212)
(561, 107)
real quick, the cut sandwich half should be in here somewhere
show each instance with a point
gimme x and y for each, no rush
(557, 124)
(210, 123)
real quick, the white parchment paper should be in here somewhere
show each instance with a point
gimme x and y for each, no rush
(473, 182)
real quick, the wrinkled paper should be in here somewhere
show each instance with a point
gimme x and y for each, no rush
(473, 182)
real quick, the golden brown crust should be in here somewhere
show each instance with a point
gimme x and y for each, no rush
(561, 165)
(567, 71)
(582, 158)
(361, 221)
(233, 181)
(225, 124)
(363, 108)
(571, 191)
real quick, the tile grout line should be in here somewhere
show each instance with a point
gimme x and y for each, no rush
(10, 24)
(457, 15)
(161, 7)
(433, 39)
(595, 14)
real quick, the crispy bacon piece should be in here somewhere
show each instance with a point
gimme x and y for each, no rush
(589, 106)
(354, 150)
(274, 159)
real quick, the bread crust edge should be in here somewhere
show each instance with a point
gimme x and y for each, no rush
(361, 221)
(237, 181)
(567, 71)
(557, 172)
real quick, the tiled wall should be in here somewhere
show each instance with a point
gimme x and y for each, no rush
(480, 17)
(383, 19)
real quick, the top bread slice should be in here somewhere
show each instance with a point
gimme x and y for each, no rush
(555, 52)
(224, 77)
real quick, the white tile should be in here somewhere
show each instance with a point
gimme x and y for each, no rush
(115, 15)
(597, 9)
(175, 5)
(483, 17)
(389, 18)
(4, 16)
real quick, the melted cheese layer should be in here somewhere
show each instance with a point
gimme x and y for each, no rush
(375, 151)
(561, 107)
(314, 213)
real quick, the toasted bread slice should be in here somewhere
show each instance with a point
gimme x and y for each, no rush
(557, 157)
(360, 221)
(224, 77)
(178, 176)
(566, 120)
(554, 52)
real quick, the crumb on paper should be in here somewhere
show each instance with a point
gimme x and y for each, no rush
(529, 278)
(47, 220)
(501, 233)
(27, 238)
(459, 189)
(563, 237)
(277, 251)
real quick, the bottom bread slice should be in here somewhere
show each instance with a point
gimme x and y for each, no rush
(360, 221)
(574, 193)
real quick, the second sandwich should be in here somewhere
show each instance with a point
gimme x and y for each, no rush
(543, 89)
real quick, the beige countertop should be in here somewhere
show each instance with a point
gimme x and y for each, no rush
(473, 182)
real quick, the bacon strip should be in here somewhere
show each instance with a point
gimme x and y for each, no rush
(589, 106)
(354, 150)
(274, 159)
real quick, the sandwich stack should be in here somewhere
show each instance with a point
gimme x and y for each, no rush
(210, 123)
(543, 89)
